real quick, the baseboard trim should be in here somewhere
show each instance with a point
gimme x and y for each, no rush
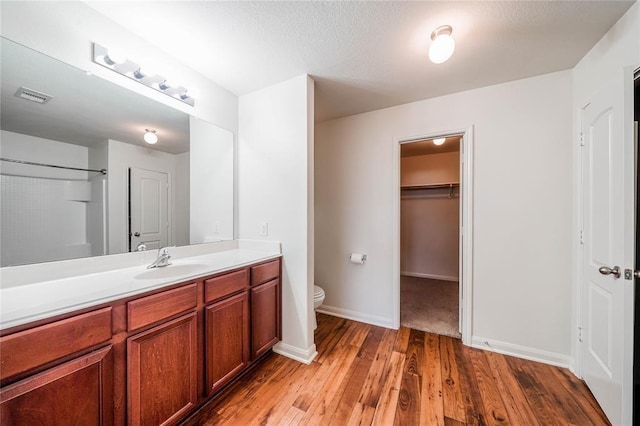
(532, 354)
(572, 368)
(356, 316)
(295, 353)
(430, 276)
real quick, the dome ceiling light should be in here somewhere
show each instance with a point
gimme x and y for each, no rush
(443, 44)
(150, 136)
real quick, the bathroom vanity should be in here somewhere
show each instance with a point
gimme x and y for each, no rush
(151, 357)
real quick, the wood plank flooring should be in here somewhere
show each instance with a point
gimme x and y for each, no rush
(366, 375)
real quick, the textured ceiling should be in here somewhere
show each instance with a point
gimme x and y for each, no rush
(368, 55)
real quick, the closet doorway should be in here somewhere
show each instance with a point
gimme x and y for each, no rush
(430, 227)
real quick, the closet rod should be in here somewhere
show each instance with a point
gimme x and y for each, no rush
(431, 186)
(31, 163)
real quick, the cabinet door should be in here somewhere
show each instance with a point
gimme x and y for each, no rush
(265, 317)
(227, 340)
(162, 382)
(77, 392)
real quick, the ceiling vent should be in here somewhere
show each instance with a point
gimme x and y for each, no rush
(33, 95)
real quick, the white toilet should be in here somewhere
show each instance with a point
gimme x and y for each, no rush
(318, 298)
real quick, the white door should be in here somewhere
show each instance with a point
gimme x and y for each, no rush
(608, 231)
(148, 208)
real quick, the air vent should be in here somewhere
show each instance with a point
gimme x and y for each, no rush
(33, 95)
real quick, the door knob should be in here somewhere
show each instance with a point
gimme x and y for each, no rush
(605, 270)
(136, 234)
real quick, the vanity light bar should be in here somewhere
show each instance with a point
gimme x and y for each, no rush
(120, 64)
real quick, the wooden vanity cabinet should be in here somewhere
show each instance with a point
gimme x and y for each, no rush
(162, 372)
(145, 360)
(60, 374)
(79, 392)
(265, 307)
(226, 340)
(226, 328)
(162, 362)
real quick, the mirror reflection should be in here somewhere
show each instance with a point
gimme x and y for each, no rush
(56, 115)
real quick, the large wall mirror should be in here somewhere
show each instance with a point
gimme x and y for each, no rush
(61, 128)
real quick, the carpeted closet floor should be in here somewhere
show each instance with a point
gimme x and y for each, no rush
(429, 305)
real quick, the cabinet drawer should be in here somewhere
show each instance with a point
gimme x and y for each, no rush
(78, 392)
(150, 309)
(37, 346)
(265, 272)
(215, 288)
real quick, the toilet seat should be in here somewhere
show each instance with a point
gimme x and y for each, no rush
(318, 292)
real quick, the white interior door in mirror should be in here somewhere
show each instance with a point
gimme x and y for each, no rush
(148, 193)
(211, 189)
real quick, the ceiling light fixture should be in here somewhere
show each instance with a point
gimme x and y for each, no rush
(119, 63)
(443, 44)
(150, 136)
(141, 73)
(439, 141)
(114, 57)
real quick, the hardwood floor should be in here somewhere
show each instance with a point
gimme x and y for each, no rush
(370, 375)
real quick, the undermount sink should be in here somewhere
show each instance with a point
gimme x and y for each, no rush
(171, 271)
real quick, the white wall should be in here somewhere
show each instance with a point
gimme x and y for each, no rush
(430, 218)
(522, 209)
(276, 187)
(39, 150)
(611, 62)
(617, 50)
(65, 31)
(182, 198)
(41, 218)
(429, 234)
(211, 189)
(430, 169)
(122, 156)
(97, 226)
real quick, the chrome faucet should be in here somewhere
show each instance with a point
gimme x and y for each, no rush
(162, 259)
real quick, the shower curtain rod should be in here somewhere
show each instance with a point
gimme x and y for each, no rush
(31, 163)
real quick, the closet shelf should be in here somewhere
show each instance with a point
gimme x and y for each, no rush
(432, 185)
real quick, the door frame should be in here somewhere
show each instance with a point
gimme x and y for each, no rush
(627, 80)
(466, 229)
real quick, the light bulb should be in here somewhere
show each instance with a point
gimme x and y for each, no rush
(439, 141)
(442, 46)
(150, 137)
(114, 57)
(141, 73)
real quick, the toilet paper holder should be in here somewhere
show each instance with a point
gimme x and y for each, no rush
(357, 258)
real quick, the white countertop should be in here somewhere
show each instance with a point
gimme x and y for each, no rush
(24, 302)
